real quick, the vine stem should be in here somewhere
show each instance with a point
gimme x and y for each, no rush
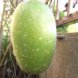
(5, 54)
(1, 29)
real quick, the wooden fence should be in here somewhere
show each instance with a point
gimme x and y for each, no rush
(65, 61)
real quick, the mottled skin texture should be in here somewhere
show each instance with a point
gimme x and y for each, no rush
(33, 36)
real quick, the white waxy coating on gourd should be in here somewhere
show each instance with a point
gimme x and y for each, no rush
(33, 36)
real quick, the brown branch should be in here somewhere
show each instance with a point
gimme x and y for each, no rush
(46, 1)
(50, 4)
(1, 29)
(5, 54)
(12, 3)
(57, 10)
(1, 26)
(68, 8)
(16, 2)
(67, 19)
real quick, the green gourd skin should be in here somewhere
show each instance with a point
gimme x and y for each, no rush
(33, 36)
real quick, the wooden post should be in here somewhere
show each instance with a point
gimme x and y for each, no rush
(57, 10)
